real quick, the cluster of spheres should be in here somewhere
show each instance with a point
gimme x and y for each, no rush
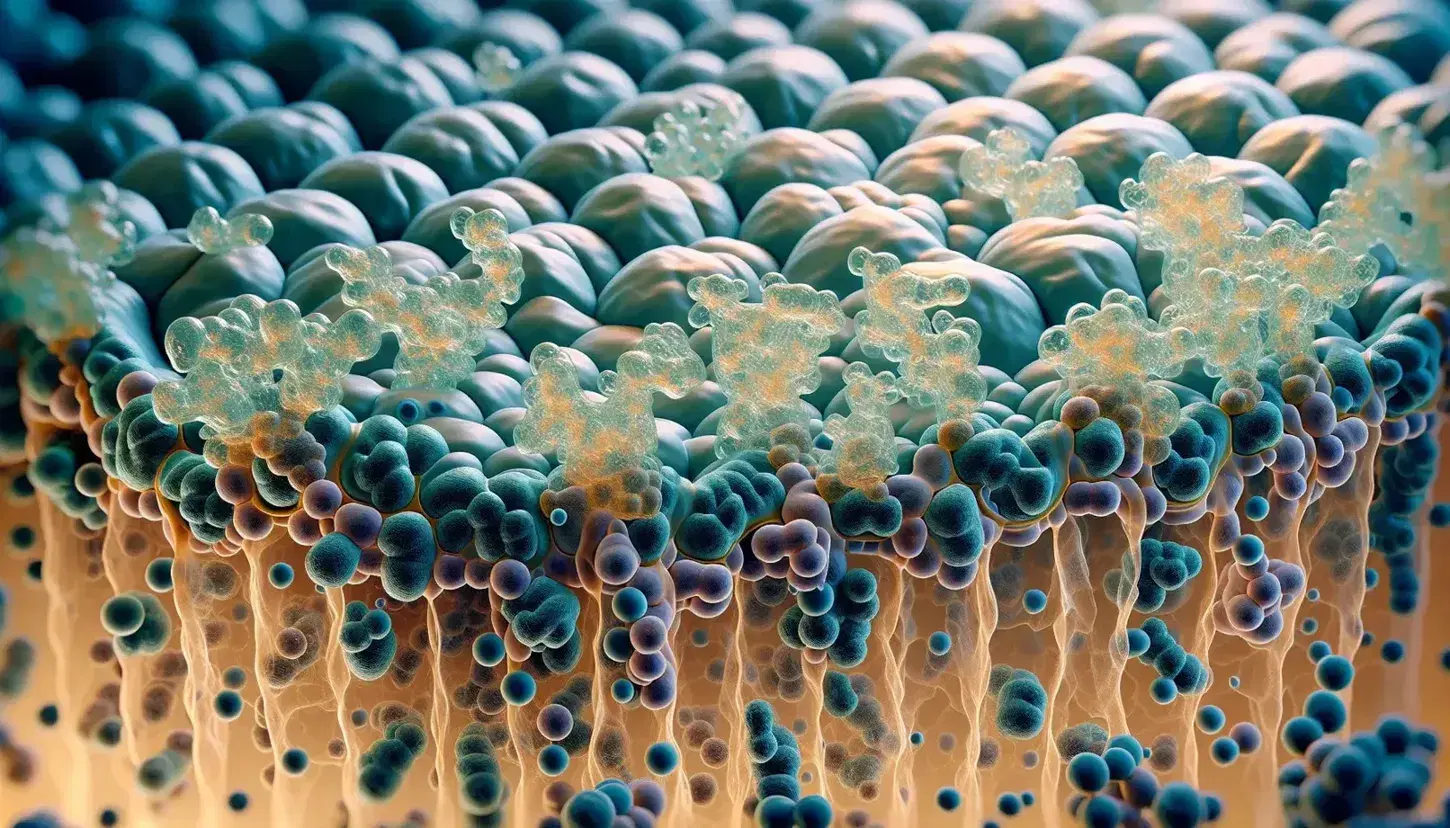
(779, 413)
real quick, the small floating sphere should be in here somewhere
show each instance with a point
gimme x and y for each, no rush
(1299, 733)
(518, 688)
(509, 578)
(622, 691)
(773, 810)
(1440, 515)
(1164, 690)
(648, 634)
(280, 575)
(662, 758)
(122, 614)
(238, 801)
(1138, 642)
(553, 760)
(108, 733)
(555, 722)
(1179, 805)
(49, 714)
(321, 499)
(1210, 719)
(228, 705)
(158, 575)
(1257, 508)
(629, 605)
(558, 517)
(1034, 601)
(939, 643)
(1120, 762)
(589, 808)
(1010, 804)
(22, 538)
(813, 812)
(1327, 709)
(488, 649)
(1248, 550)
(294, 761)
(948, 799)
(1392, 651)
(1225, 751)
(235, 678)
(1318, 650)
(616, 644)
(1088, 772)
(291, 643)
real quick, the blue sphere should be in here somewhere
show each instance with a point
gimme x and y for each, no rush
(1256, 508)
(294, 760)
(622, 690)
(629, 605)
(662, 758)
(1224, 750)
(280, 575)
(518, 688)
(488, 649)
(1034, 601)
(553, 760)
(939, 643)
(1334, 672)
(228, 705)
(1163, 690)
(1088, 772)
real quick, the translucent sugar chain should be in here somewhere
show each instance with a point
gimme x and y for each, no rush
(210, 233)
(1119, 348)
(1309, 276)
(442, 324)
(607, 443)
(230, 362)
(863, 442)
(57, 273)
(1399, 181)
(1225, 313)
(696, 138)
(486, 235)
(496, 65)
(95, 225)
(1195, 220)
(1003, 167)
(1242, 296)
(938, 356)
(765, 355)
